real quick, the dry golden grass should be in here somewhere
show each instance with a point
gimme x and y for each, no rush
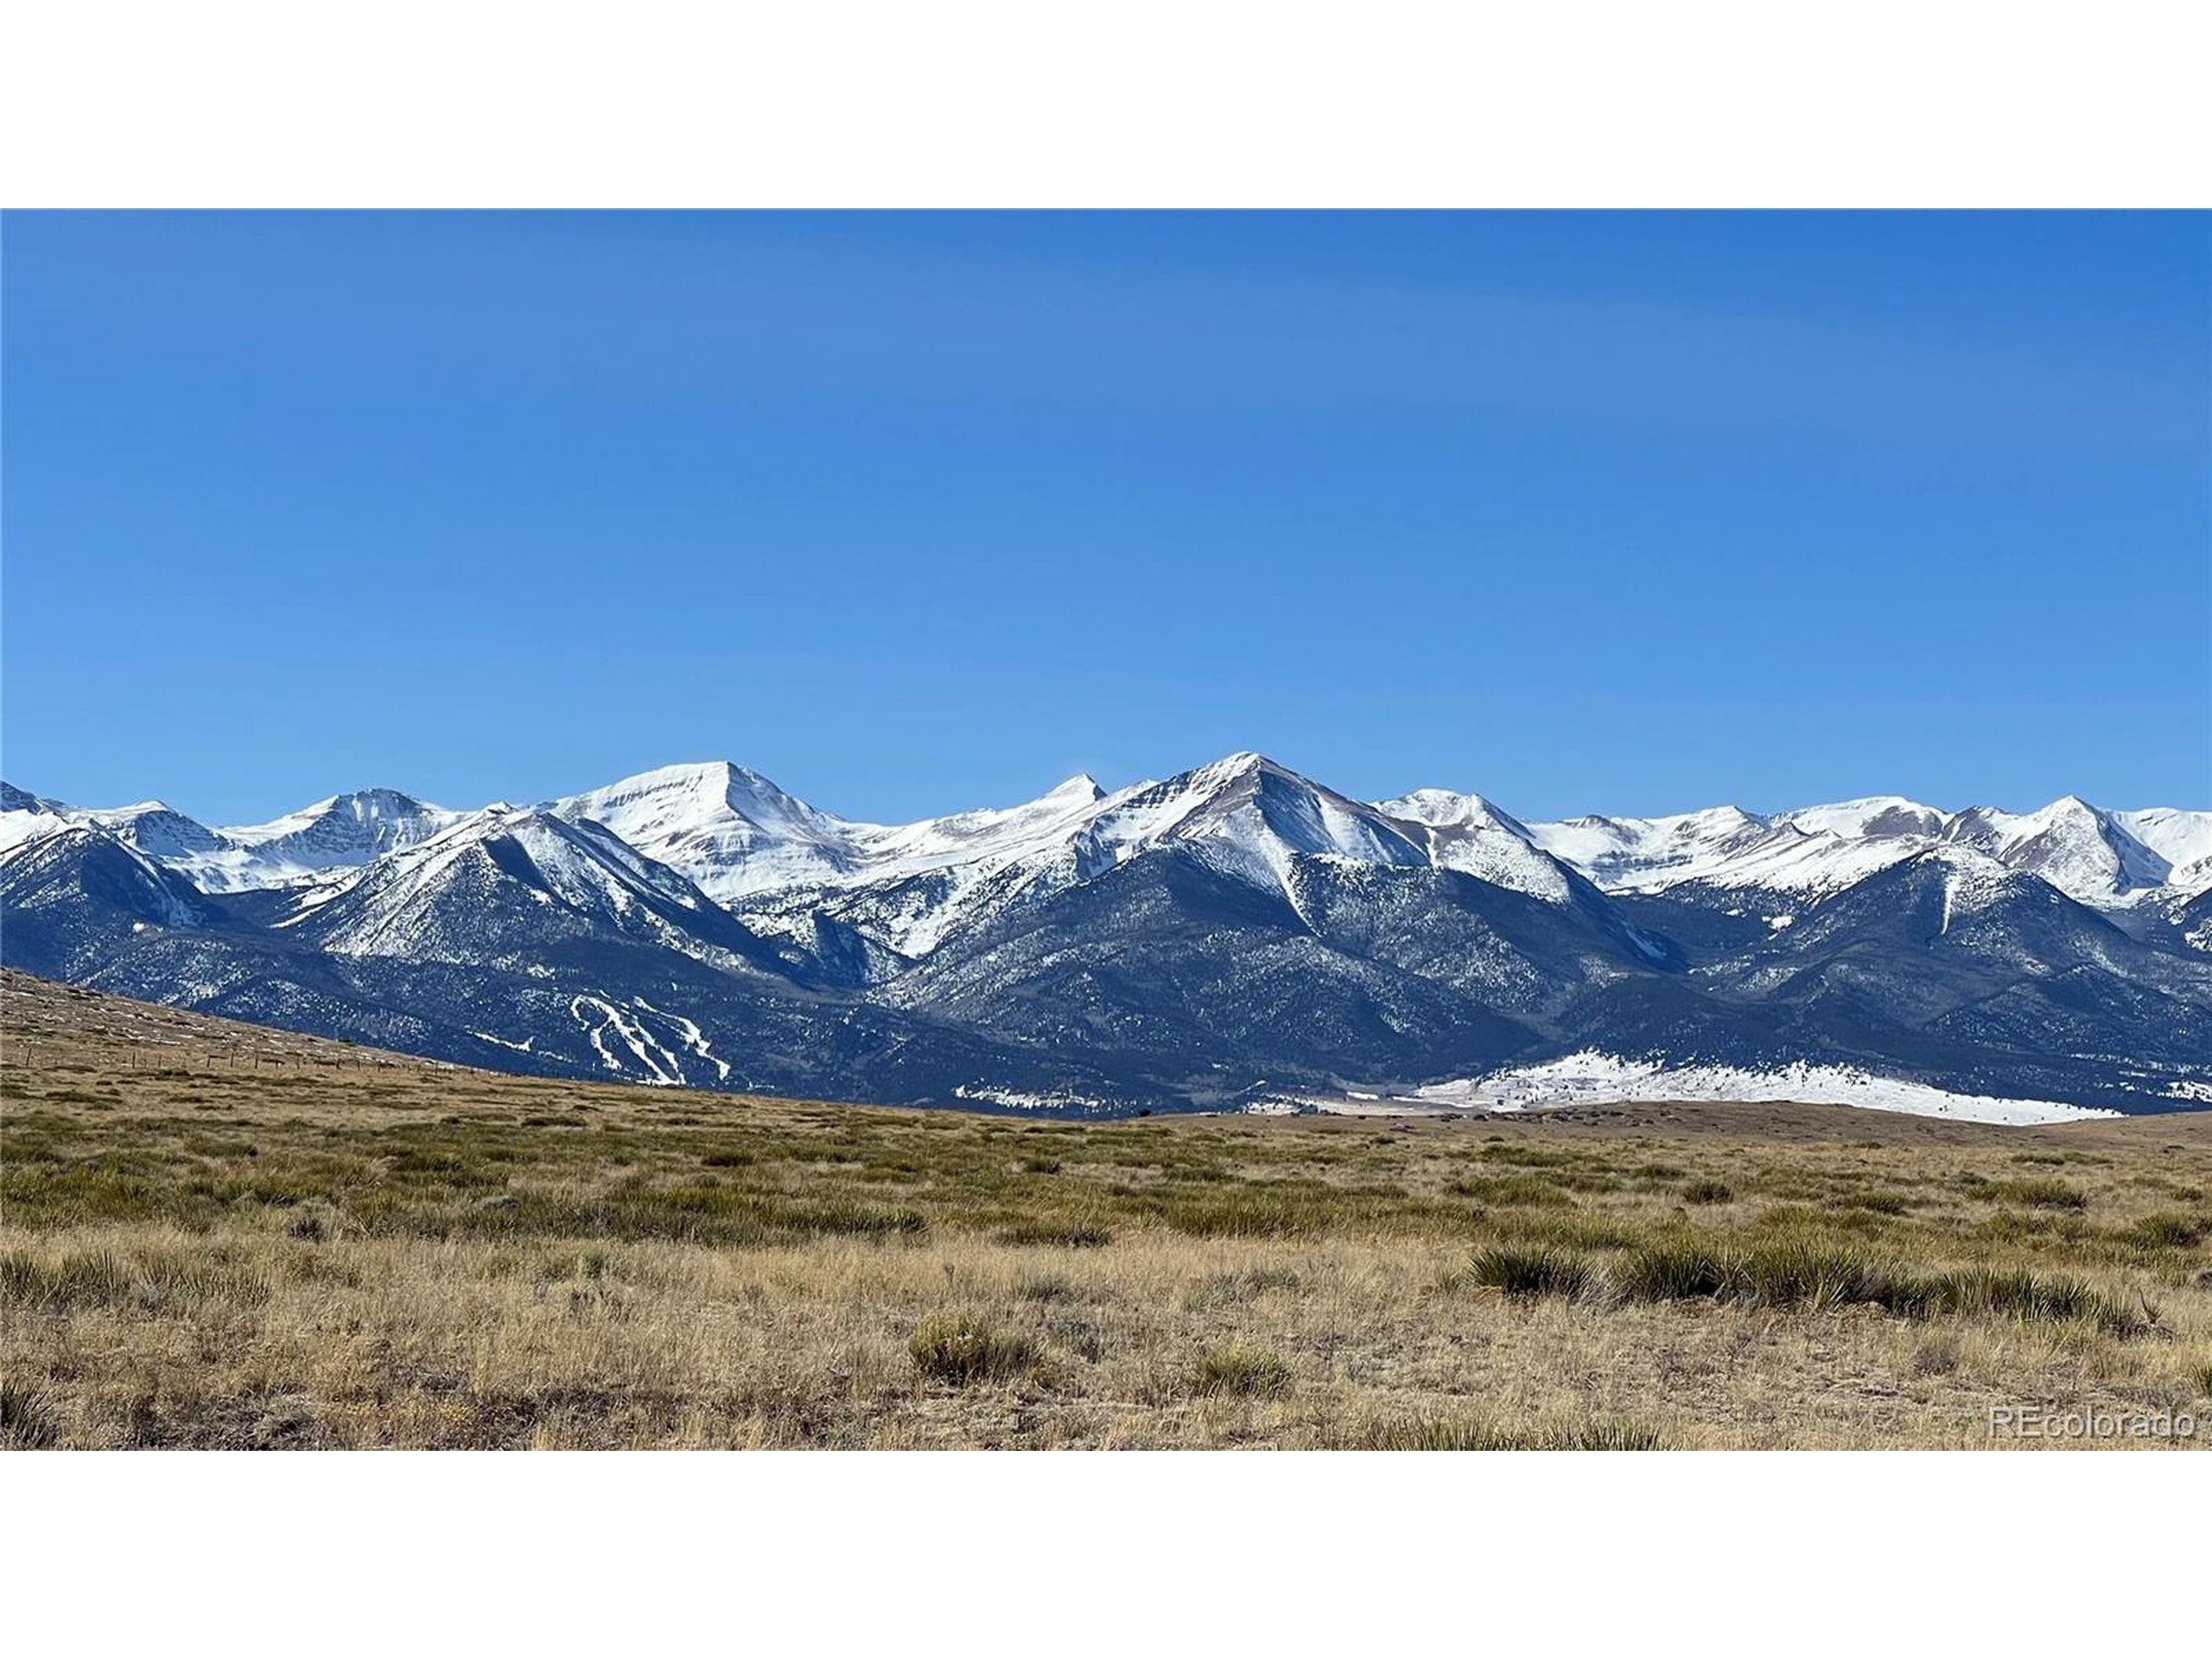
(330, 1248)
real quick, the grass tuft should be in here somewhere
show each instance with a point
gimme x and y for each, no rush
(1815, 1274)
(1244, 1213)
(2168, 1229)
(1805, 1274)
(154, 1284)
(1511, 1190)
(2037, 1192)
(1074, 1236)
(1525, 1272)
(26, 1419)
(1676, 1270)
(1444, 1434)
(962, 1349)
(2029, 1296)
(1241, 1368)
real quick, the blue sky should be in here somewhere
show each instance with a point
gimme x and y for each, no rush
(1630, 513)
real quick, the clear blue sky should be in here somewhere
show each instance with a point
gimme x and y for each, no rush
(1629, 513)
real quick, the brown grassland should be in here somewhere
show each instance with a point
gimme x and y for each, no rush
(216, 1236)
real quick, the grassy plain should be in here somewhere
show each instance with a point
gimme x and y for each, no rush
(216, 1236)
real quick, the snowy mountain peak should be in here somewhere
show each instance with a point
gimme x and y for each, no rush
(559, 850)
(509, 882)
(1869, 817)
(1247, 816)
(25, 816)
(1447, 806)
(1465, 833)
(159, 831)
(338, 832)
(732, 831)
(1082, 787)
(705, 792)
(2078, 848)
(1243, 770)
(371, 806)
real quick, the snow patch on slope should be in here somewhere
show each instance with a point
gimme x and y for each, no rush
(608, 1027)
(623, 1039)
(2182, 839)
(1593, 1077)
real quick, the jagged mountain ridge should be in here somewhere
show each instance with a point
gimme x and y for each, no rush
(2100, 857)
(340, 832)
(1232, 931)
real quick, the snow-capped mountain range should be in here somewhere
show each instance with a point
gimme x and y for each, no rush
(1237, 934)
(341, 833)
(2097, 857)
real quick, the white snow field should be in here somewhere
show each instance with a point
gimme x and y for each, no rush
(1593, 1078)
